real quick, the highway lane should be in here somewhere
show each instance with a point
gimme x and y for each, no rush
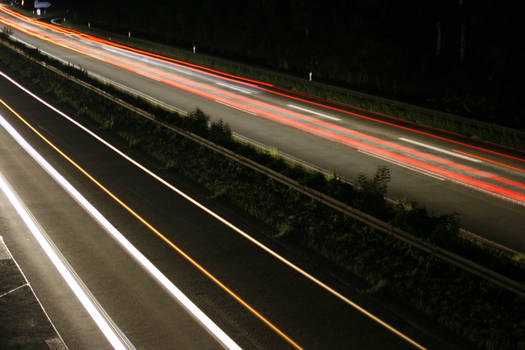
(68, 316)
(304, 311)
(140, 306)
(445, 176)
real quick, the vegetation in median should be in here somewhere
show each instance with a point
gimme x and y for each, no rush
(472, 307)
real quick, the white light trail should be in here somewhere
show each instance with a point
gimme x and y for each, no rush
(103, 324)
(214, 330)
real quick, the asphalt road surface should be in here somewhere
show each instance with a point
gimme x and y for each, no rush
(150, 316)
(293, 307)
(485, 185)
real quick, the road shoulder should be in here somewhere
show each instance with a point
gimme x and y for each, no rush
(23, 320)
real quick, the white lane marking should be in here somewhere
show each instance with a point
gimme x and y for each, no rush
(440, 150)
(233, 87)
(375, 155)
(4, 253)
(220, 218)
(209, 325)
(312, 112)
(111, 334)
(14, 290)
(235, 107)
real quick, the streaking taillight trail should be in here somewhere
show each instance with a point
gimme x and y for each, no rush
(482, 180)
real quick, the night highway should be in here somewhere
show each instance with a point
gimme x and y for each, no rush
(148, 315)
(484, 184)
(124, 250)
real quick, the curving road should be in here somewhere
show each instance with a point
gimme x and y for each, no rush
(485, 185)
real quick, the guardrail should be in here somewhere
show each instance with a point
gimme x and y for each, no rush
(381, 226)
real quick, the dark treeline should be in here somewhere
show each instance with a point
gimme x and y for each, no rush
(463, 56)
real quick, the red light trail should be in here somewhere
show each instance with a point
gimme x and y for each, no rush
(453, 171)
